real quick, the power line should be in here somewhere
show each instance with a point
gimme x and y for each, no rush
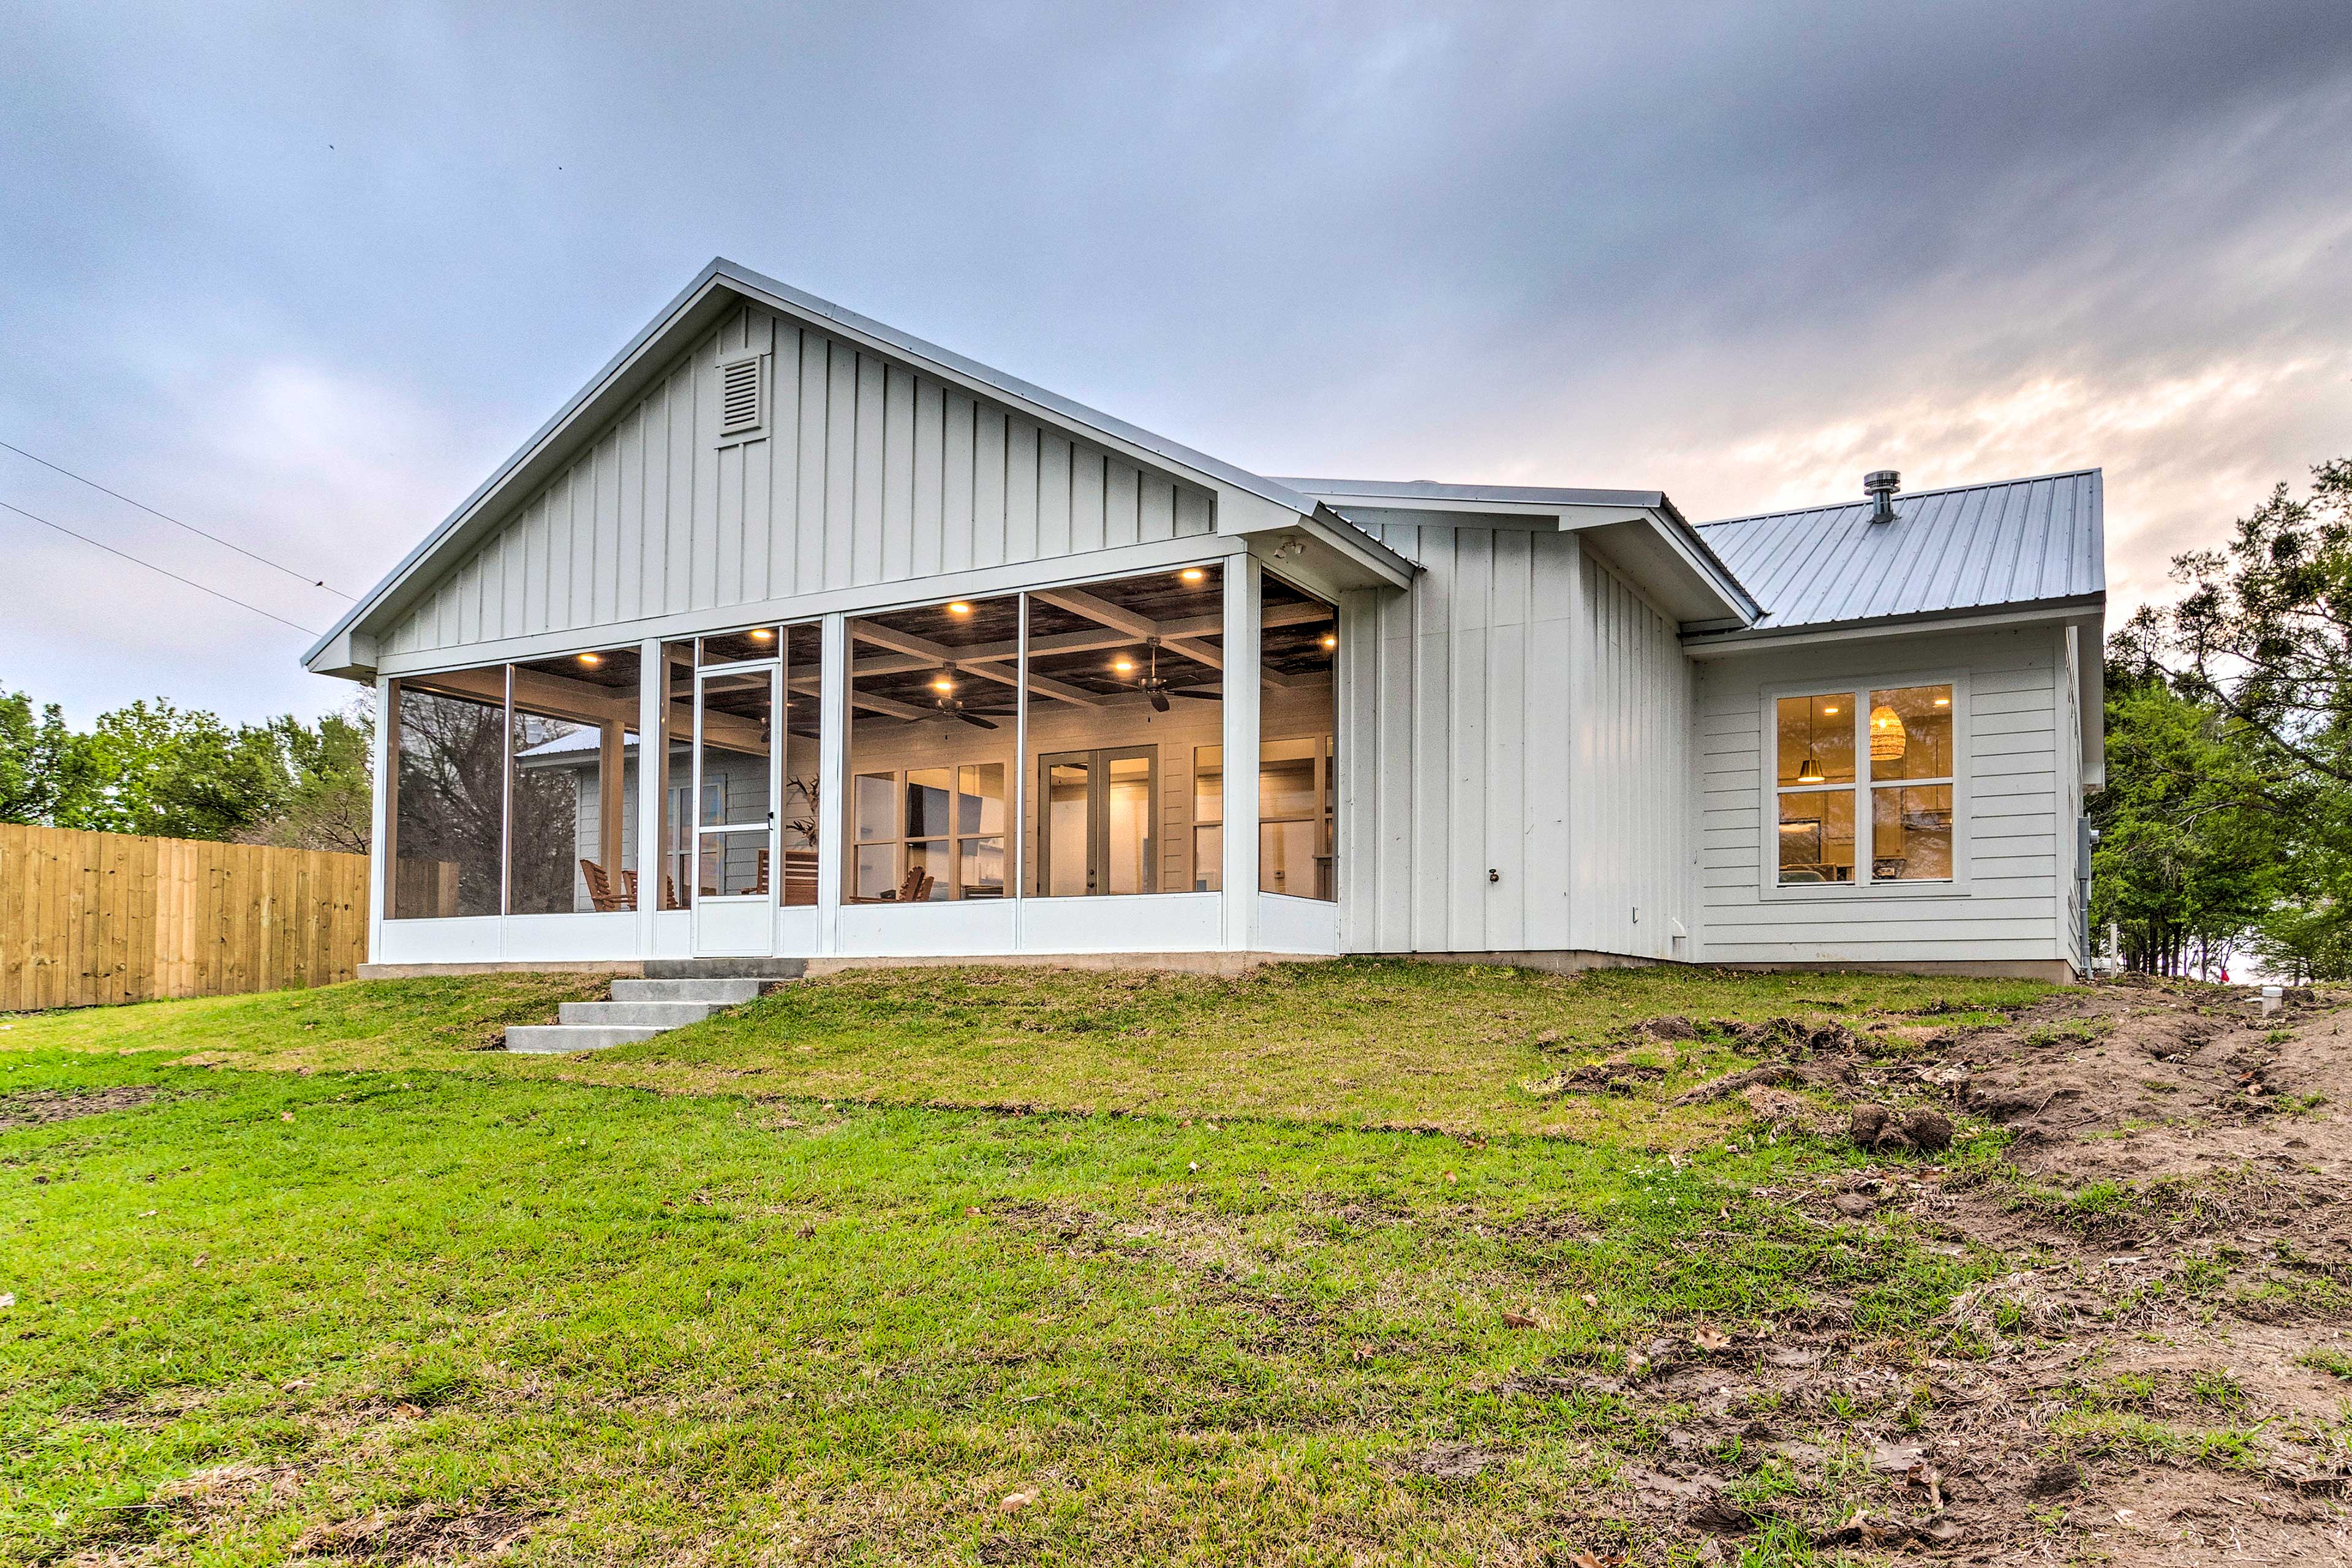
(301, 578)
(151, 566)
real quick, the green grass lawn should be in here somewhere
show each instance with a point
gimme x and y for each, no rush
(835, 1276)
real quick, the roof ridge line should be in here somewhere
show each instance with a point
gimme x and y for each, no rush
(1906, 495)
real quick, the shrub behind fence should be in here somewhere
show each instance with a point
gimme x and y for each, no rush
(93, 918)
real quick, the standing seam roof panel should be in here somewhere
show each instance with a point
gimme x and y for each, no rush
(1971, 547)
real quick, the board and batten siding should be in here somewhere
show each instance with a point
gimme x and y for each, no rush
(1631, 770)
(2012, 810)
(1484, 731)
(865, 472)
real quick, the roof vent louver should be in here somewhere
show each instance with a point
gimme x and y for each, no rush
(739, 396)
(1881, 485)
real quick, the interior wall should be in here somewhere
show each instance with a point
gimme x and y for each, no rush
(1054, 727)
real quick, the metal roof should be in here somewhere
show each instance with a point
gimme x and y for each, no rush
(2012, 544)
(1431, 489)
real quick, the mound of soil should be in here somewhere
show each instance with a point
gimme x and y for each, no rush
(2148, 1381)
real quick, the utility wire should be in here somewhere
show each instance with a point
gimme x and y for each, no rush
(151, 566)
(299, 576)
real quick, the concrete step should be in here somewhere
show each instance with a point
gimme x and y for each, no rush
(634, 1015)
(553, 1039)
(717, 993)
(726, 968)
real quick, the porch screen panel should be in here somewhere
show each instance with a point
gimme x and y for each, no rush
(934, 696)
(571, 823)
(1298, 722)
(449, 768)
(677, 783)
(1125, 689)
(803, 731)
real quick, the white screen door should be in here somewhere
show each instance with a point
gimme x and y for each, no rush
(737, 783)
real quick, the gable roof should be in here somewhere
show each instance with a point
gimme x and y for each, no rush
(2013, 545)
(723, 285)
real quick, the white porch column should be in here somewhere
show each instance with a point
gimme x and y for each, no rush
(1244, 593)
(383, 829)
(833, 781)
(653, 765)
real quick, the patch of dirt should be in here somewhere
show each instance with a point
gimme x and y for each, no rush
(36, 1107)
(1446, 1462)
(428, 1532)
(2148, 1382)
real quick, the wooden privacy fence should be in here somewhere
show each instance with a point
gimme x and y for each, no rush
(93, 918)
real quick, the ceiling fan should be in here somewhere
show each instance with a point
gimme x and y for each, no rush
(943, 685)
(1159, 690)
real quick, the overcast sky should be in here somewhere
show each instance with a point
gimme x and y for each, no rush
(304, 275)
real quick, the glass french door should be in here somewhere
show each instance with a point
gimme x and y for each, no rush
(737, 783)
(1096, 816)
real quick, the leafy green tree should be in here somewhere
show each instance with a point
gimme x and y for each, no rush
(152, 768)
(2229, 814)
(36, 766)
(329, 804)
(2190, 828)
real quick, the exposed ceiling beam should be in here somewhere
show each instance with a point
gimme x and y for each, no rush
(1140, 627)
(938, 653)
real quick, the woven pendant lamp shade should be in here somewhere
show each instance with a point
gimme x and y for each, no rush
(1888, 740)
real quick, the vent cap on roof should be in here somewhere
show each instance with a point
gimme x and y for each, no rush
(1881, 485)
(739, 396)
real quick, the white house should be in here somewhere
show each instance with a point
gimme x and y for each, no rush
(922, 661)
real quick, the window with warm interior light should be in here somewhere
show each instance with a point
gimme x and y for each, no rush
(1126, 683)
(934, 698)
(1882, 767)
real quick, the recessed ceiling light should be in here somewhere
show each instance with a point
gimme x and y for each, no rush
(1943, 702)
(591, 659)
(1193, 574)
(943, 684)
(763, 634)
(1330, 641)
(958, 608)
(1829, 709)
(1124, 666)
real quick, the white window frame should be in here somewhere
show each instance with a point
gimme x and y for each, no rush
(954, 840)
(1863, 886)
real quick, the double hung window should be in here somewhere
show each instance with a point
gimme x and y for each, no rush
(1864, 784)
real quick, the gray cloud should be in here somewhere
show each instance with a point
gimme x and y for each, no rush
(306, 274)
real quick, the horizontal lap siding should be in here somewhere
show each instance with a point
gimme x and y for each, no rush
(1456, 751)
(2013, 809)
(867, 473)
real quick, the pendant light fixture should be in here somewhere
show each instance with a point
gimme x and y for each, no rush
(1809, 772)
(1888, 738)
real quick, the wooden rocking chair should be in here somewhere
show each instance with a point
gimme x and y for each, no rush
(601, 896)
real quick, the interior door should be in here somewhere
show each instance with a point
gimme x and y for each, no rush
(737, 783)
(1097, 815)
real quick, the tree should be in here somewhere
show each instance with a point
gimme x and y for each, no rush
(2190, 829)
(152, 768)
(42, 767)
(2228, 813)
(2266, 626)
(329, 804)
